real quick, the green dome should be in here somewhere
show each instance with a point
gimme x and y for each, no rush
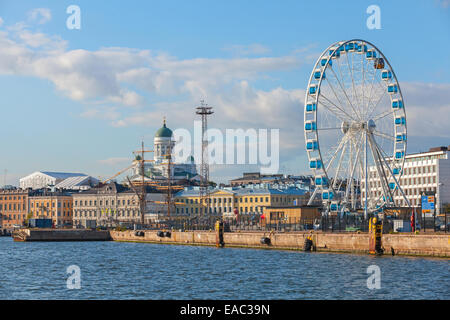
(163, 132)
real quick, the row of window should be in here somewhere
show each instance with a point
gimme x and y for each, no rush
(219, 210)
(12, 207)
(440, 156)
(409, 192)
(410, 171)
(241, 200)
(13, 216)
(66, 204)
(94, 202)
(11, 197)
(53, 214)
(419, 170)
(89, 213)
(405, 182)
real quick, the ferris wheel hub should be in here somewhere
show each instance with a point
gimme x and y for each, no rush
(358, 126)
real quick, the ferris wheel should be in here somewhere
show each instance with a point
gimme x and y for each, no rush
(355, 128)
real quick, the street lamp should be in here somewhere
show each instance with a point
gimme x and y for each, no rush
(440, 206)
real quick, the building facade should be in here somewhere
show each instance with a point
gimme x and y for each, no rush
(422, 172)
(292, 214)
(13, 208)
(229, 201)
(57, 206)
(114, 203)
(106, 205)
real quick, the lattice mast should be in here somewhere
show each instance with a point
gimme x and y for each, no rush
(204, 110)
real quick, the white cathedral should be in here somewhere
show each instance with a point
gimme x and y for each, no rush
(158, 169)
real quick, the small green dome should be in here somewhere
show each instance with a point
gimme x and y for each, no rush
(163, 132)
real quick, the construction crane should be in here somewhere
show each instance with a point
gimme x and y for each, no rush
(117, 174)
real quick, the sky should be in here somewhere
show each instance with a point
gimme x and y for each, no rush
(81, 100)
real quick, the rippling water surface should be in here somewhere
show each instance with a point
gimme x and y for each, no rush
(114, 270)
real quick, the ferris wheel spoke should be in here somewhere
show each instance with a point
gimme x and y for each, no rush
(321, 129)
(336, 174)
(392, 175)
(341, 145)
(357, 148)
(384, 135)
(342, 116)
(375, 106)
(377, 167)
(382, 94)
(393, 163)
(345, 93)
(363, 83)
(334, 92)
(382, 115)
(352, 76)
(371, 89)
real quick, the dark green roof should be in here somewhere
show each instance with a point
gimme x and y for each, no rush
(164, 132)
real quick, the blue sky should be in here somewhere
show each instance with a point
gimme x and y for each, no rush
(72, 103)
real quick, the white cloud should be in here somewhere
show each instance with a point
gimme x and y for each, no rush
(40, 15)
(1, 21)
(114, 75)
(427, 108)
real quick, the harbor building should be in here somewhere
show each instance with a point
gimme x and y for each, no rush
(57, 206)
(13, 207)
(229, 201)
(114, 203)
(292, 214)
(158, 169)
(58, 180)
(422, 172)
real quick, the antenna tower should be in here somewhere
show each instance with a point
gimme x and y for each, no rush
(204, 110)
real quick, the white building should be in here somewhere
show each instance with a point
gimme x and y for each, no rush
(59, 180)
(158, 169)
(427, 171)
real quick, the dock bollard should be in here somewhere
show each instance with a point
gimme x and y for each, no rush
(219, 234)
(307, 246)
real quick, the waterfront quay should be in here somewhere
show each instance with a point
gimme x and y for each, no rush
(433, 245)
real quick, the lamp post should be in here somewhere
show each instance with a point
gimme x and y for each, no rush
(441, 184)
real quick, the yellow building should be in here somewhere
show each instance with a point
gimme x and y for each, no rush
(55, 206)
(291, 214)
(228, 201)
